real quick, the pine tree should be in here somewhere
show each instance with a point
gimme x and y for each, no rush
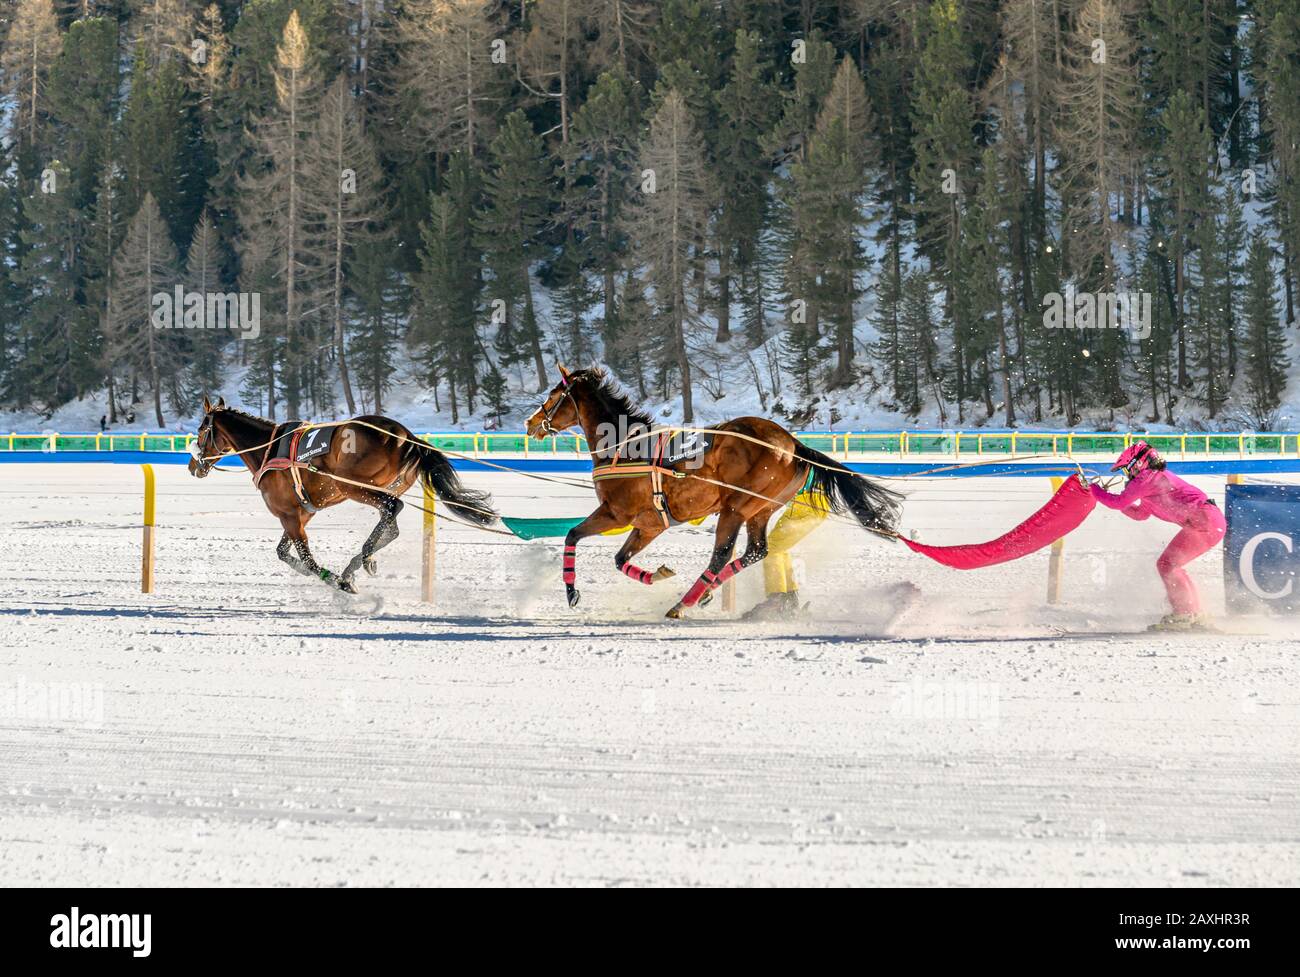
(55, 341)
(1212, 319)
(144, 267)
(623, 30)
(1265, 359)
(164, 30)
(746, 108)
(82, 95)
(983, 277)
(814, 72)
(105, 227)
(515, 192)
(943, 123)
(602, 150)
(203, 274)
(28, 52)
(381, 300)
(828, 190)
(669, 219)
(1028, 26)
(448, 286)
(274, 219)
(1099, 113)
(344, 205)
(444, 79)
(1182, 184)
(160, 145)
(1277, 55)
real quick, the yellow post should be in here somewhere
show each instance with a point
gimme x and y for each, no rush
(1234, 479)
(97, 437)
(427, 546)
(1054, 561)
(729, 596)
(146, 562)
(143, 435)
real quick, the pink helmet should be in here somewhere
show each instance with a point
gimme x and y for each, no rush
(1135, 458)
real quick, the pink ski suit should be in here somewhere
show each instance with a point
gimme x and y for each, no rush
(1162, 494)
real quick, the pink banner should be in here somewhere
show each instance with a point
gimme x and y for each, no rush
(1063, 513)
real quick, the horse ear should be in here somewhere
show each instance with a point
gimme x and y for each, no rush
(207, 405)
(564, 374)
(221, 401)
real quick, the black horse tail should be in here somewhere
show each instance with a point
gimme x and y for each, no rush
(437, 474)
(876, 507)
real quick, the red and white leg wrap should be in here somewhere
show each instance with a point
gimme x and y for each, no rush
(729, 571)
(708, 580)
(636, 573)
(570, 556)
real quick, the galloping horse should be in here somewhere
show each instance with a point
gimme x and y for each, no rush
(375, 460)
(744, 469)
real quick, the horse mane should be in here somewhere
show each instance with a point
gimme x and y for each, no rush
(614, 399)
(245, 415)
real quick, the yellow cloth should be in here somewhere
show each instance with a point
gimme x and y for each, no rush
(804, 514)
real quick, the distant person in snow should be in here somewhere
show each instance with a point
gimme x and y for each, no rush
(103, 423)
(1153, 491)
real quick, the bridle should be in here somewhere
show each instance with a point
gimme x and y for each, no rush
(548, 429)
(204, 449)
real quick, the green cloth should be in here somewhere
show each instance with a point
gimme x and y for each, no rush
(526, 528)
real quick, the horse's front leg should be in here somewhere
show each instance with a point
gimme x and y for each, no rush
(599, 521)
(285, 552)
(638, 540)
(724, 542)
(295, 528)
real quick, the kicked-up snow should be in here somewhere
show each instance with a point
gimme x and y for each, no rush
(243, 725)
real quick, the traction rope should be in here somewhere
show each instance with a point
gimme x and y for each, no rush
(778, 451)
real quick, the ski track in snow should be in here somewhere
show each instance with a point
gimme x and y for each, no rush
(257, 729)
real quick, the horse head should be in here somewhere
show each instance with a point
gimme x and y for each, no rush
(211, 443)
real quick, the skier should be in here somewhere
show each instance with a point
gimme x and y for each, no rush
(1153, 491)
(805, 513)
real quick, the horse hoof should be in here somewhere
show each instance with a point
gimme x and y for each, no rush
(574, 597)
(347, 586)
(677, 612)
(663, 573)
(705, 598)
(371, 567)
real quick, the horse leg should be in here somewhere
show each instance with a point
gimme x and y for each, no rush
(295, 529)
(383, 533)
(724, 541)
(636, 542)
(599, 521)
(283, 552)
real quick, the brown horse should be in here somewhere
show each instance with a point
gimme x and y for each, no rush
(745, 471)
(378, 453)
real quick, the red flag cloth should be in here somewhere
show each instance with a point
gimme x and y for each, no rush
(1064, 511)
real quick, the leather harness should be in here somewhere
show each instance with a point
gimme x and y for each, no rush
(654, 468)
(289, 463)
